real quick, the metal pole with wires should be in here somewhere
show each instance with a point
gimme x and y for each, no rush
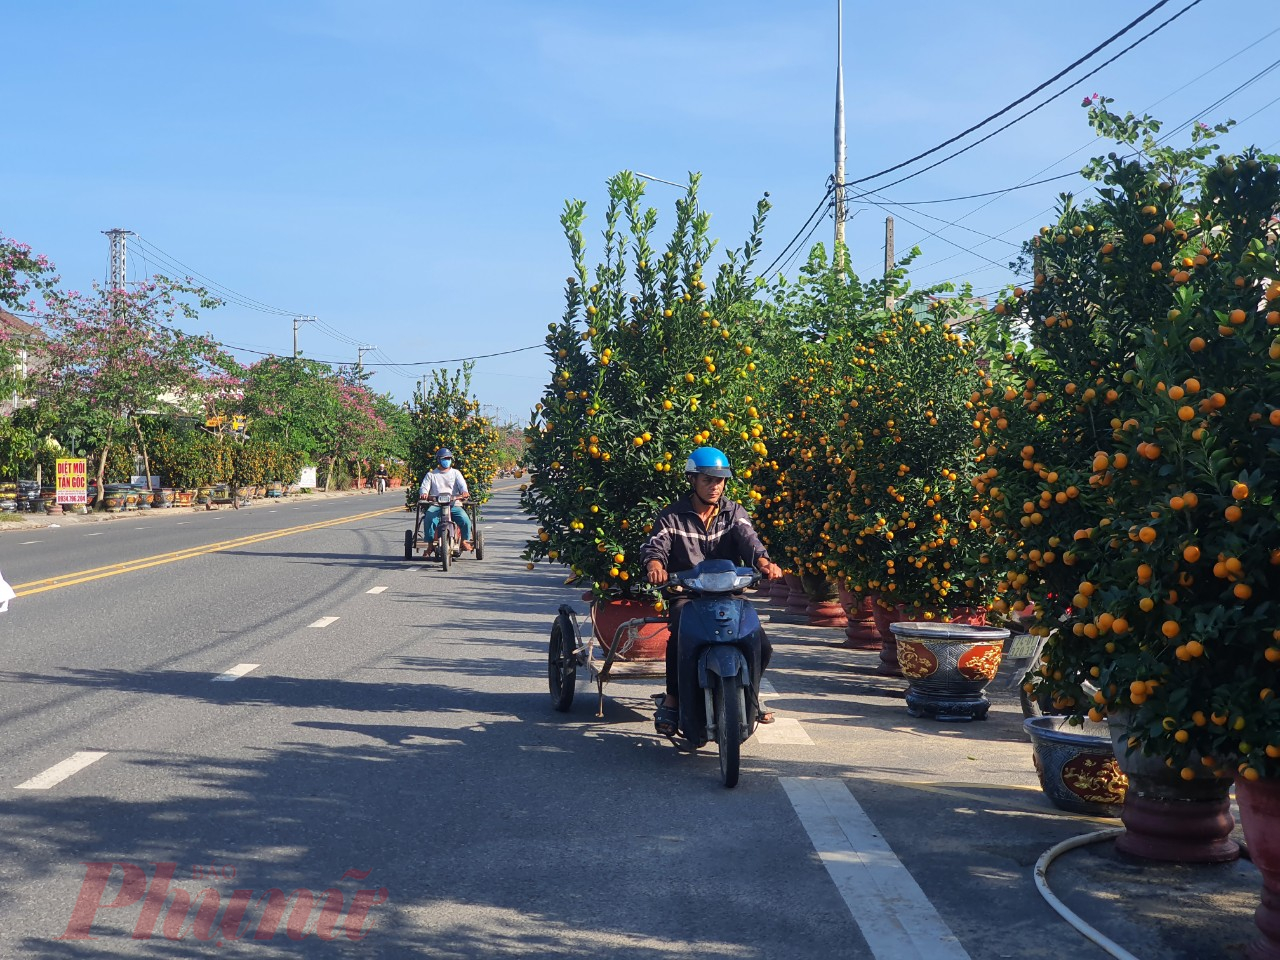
(838, 253)
(360, 352)
(118, 256)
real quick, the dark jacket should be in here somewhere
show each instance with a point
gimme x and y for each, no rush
(680, 541)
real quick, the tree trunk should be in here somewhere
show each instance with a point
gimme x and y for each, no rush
(328, 476)
(102, 467)
(142, 445)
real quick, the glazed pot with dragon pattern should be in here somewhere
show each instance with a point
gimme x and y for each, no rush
(948, 667)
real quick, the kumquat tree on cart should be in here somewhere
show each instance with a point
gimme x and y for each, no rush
(448, 415)
(650, 360)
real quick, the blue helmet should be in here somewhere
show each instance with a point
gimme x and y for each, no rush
(444, 453)
(710, 461)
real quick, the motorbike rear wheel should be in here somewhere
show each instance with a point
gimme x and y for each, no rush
(728, 701)
(562, 667)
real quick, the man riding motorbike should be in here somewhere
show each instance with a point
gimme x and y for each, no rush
(704, 525)
(444, 480)
(382, 478)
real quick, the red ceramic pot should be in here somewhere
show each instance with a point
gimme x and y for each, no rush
(640, 641)
(797, 599)
(1259, 802)
(860, 623)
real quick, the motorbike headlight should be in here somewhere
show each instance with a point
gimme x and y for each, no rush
(718, 582)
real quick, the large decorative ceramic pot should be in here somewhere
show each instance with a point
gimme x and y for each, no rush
(115, 496)
(275, 489)
(1077, 765)
(1259, 802)
(860, 623)
(780, 592)
(797, 599)
(948, 666)
(643, 641)
(1166, 817)
(8, 496)
(163, 497)
(885, 617)
(823, 608)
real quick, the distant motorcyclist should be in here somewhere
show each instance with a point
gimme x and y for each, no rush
(704, 525)
(382, 477)
(444, 480)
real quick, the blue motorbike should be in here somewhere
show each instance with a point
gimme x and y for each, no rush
(719, 659)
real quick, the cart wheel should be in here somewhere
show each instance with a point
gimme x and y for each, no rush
(562, 666)
(408, 544)
(479, 535)
(728, 705)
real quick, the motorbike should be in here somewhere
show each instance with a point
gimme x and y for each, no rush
(382, 484)
(448, 539)
(719, 659)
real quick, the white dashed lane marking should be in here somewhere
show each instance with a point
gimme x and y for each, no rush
(236, 672)
(376, 590)
(60, 771)
(784, 731)
(895, 917)
(25, 543)
(323, 622)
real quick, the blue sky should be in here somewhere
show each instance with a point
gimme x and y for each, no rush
(397, 169)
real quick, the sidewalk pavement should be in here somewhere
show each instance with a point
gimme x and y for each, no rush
(1148, 910)
(17, 522)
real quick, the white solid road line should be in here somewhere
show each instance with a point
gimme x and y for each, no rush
(376, 590)
(323, 622)
(60, 771)
(236, 672)
(28, 542)
(895, 917)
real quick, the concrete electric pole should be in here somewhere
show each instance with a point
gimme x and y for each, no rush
(888, 257)
(840, 150)
(360, 352)
(296, 321)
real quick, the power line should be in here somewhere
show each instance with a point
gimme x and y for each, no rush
(1027, 96)
(1043, 103)
(821, 203)
(239, 298)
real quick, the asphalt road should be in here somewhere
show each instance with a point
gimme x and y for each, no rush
(381, 726)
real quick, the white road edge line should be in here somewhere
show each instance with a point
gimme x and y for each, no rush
(895, 917)
(376, 590)
(323, 622)
(60, 771)
(236, 672)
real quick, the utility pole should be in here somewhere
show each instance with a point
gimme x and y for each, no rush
(296, 321)
(360, 352)
(118, 256)
(888, 259)
(839, 181)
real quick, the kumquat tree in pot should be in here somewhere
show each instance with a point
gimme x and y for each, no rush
(649, 361)
(1153, 455)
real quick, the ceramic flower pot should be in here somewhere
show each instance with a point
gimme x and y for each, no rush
(1166, 817)
(1259, 802)
(948, 667)
(823, 608)
(644, 642)
(884, 618)
(1077, 765)
(860, 624)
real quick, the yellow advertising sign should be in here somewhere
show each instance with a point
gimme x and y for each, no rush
(72, 481)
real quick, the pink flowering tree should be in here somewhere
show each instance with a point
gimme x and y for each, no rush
(115, 356)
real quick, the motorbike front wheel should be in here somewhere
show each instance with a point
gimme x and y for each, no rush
(728, 701)
(446, 551)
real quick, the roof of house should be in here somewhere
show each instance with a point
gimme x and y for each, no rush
(17, 325)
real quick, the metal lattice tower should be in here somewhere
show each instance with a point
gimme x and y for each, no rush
(118, 256)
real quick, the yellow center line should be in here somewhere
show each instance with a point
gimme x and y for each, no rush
(128, 566)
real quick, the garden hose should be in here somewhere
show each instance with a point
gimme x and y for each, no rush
(1042, 884)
